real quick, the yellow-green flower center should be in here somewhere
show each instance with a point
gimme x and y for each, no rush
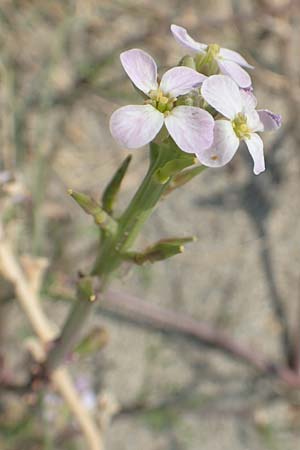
(162, 102)
(240, 126)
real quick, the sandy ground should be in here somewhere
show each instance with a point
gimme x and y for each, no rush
(57, 95)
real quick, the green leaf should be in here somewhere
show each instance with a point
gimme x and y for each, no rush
(184, 177)
(173, 167)
(91, 207)
(161, 250)
(110, 194)
(93, 342)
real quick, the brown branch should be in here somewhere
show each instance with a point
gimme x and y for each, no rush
(163, 319)
(6, 384)
(31, 305)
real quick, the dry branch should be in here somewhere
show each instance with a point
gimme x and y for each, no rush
(46, 332)
(165, 320)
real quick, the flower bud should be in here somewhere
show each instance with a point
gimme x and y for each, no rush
(188, 61)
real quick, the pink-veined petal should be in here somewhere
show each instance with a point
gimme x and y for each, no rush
(222, 94)
(269, 120)
(248, 89)
(236, 72)
(135, 126)
(224, 147)
(180, 81)
(141, 69)
(182, 36)
(231, 55)
(191, 128)
(256, 149)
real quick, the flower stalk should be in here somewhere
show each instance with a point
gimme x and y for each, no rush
(65, 343)
(115, 246)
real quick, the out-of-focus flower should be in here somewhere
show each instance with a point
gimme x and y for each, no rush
(87, 395)
(134, 126)
(238, 106)
(228, 62)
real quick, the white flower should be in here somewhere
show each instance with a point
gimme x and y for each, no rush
(241, 123)
(229, 62)
(136, 125)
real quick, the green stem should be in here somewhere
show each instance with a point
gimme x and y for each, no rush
(138, 211)
(69, 336)
(113, 246)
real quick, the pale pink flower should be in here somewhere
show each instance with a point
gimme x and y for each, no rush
(229, 62)
(241, 123)
(134, 126)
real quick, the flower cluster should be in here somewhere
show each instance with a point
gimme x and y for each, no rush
(205, 104)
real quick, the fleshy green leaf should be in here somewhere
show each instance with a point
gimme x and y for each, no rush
(91, 207)
(110, 194)
(161, 250)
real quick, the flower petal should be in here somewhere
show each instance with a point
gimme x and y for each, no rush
(222, 94)
(141, 69)
(231, 55)
(247, 89)
(191, 128)
(180, 81)
(232, 69)
(269, 120)
(248, 99)
(224, 146)
(249, 103)
(135, 126)
(182, 36)
(253, 121)
(256, 149)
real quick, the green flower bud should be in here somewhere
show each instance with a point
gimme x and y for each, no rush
(188, 61)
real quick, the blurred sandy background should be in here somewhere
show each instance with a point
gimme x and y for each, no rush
(60, 80)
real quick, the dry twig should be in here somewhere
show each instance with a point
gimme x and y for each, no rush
(46, 332)
(169, 321)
